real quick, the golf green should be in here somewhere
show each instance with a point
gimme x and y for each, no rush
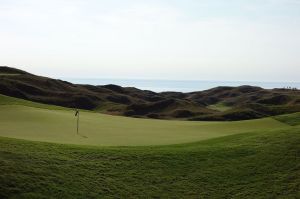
(59, 126)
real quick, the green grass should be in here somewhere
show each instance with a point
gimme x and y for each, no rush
(59, 126)
(219, 107)
(291, 119)
(6, 100)
(40, 122)
(263, 164)
(245, 159)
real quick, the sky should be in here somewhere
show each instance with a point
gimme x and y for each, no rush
(250, 40)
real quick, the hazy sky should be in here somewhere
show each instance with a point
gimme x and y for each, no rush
(257, 40)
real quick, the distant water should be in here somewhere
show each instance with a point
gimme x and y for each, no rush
(182, 85)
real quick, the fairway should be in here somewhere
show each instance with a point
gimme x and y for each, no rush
(240, 162)
(59, 126)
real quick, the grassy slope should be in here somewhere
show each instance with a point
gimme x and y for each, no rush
(261, 164)
(247, 102)
(290, 119)
(219, 107)
(254, 165)
(6, 100)
(59, 126)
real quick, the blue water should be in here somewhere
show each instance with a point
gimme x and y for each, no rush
(182, 85)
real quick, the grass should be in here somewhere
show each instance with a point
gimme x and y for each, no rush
(291, 119)
(263, 164)
(246, 159)
(6, 100)
(8, 74)
(219, 107)
(59, 126)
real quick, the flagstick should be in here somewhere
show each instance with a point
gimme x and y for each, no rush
(77, 122)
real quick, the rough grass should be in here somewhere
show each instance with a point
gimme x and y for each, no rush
(59, 126)
(6, 100)
(247, 102)
(8, 74)
(219, 107)
(265, 164)
(291, 119)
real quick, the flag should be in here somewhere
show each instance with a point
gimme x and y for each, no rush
(76, 113)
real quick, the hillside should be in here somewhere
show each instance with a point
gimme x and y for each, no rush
(33, 121)
(42, 156)
(262, 164)
(111, 156)
(220, 103)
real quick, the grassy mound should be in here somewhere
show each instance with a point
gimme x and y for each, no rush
(220, 103)
(291, 119)
(264, 164)
(219, 107)
(6, 100)
(244, 159)
(59, 125)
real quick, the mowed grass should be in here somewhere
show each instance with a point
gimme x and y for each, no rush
(59, 126)
(262, 164)
(248, 159)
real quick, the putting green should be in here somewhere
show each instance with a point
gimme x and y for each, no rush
(59, 126)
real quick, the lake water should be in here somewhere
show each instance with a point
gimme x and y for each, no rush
(182, 85)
